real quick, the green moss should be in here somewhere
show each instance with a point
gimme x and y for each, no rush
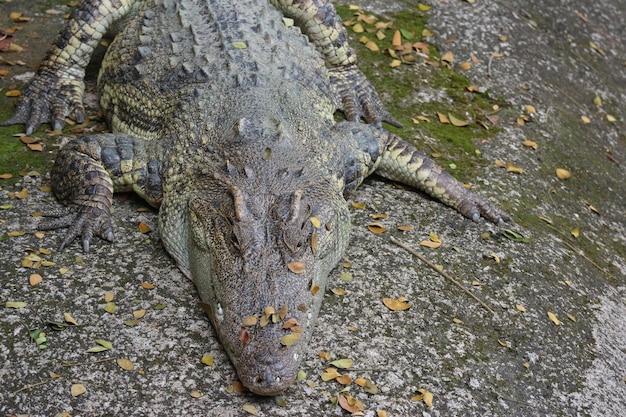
(445, 87)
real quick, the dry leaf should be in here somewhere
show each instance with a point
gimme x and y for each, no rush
(207, 359)
(465, 65)
(430, 244)
(144, 228)
(530, 144)
(520, 308)
(330, 374)
(297, 267)
(108, 296)
(35, 279)
(290, 339)
(563, 173)
(344, 379)
(125, 364)
(552, 317)
(371, 45)
(342, 363)
(585, 119)
(250, 321)
(448, 57)
(138, 314)
(338, 291)
(456, 121)
(69, 319)
(376, 228)
(575, 232)
(396, 305)
(443, 118)
(511, 167)
(195, 394)
(424, 395)
(250, 409)
(78, 389)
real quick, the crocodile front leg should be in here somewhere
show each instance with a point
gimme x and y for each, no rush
(402, 162)
(318, 20)
(58, 87)
(372, 149)
(85, 174)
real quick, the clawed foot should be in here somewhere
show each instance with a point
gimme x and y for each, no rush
(49, 98)
(475, 206)
(84, 221)
(358, 98)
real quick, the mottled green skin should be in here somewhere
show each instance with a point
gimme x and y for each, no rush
(223, 118)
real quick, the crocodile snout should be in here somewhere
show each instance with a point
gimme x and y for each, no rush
(267, 373)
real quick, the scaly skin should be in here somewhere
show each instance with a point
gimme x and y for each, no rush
(223, 118)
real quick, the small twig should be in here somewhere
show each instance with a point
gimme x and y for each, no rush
(443, 274)
(577, 251)
(27, 387)
(86, 363)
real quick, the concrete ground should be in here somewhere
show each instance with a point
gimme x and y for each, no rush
(555, 55)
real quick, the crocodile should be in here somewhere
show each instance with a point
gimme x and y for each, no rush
(222, 115)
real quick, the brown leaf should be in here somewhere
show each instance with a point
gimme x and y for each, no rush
(376, 228)
(125, 364)
(290, 339)
(297, 267)
(396, 305)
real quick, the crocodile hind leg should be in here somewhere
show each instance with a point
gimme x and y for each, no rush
(318, 20)
(58, 87)
(85, 174)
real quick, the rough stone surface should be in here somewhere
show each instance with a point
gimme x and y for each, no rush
(576, 368)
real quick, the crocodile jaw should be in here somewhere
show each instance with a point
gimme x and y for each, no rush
(261, 272)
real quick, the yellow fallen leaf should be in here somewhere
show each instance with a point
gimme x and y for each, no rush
(563, 173)
(358, 28)
(520, 308)
(610, 118)
(465, 65)
(290, 339)
(108, 297)
(77, 389)
(443, 118)
(585, 119)
(575, 232)
(425, 396)
(250, 409)
(376, 228)
(315, 222)
(572, 318)
(396, 305)
(448, 57)
(144, 228)
(338, 291)
(147, 285)
(344, 379)
(430, 244)
(69, 319)
(195, 394)
(511, 167)
(423, 7)
(371, 45)
(342, 363)
(138, 314)
(552, 317)
(207, 359)
(125, 364)
(297, 267)
(34, 279)
(330, 374)
(456, 121)
(530, 144)
(530, 109)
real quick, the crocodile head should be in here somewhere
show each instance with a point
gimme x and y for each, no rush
(260, 260)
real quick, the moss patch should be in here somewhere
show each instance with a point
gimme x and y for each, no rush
(425, 90)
